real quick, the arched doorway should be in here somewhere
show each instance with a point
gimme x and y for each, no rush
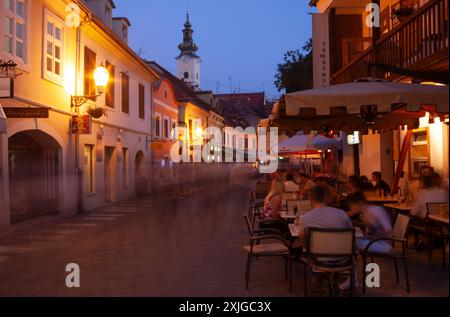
(139, 174)
(34, 159)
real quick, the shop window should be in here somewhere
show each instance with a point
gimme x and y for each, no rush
(420, 151)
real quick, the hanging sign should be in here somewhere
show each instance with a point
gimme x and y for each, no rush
(26, 113)
(6, 88)
(82, 124)
(321, 50)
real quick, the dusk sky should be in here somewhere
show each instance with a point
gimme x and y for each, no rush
(241, 39)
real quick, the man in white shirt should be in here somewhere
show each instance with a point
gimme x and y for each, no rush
(308, 185)
(290, 186)
(429, 193)
(322, 216)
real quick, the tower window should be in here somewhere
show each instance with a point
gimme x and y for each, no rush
(186, 75)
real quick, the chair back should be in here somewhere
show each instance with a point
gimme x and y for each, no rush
(437, 209)
(303, 206)
(248, 225)
(335, 243)
(400, 229)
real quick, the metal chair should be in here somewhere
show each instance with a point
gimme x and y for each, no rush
(278, 247)
(330, 251)
(434, 229)
(399, 234)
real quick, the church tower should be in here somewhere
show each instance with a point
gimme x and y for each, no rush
(188, 61)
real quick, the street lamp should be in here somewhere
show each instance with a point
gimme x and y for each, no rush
(101, 78)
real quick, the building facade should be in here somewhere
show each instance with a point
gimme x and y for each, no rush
(409, 44)
(50, 166)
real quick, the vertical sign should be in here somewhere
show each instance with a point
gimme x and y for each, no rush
(321, 50)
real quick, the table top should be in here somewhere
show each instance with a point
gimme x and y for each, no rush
(402, 207)
(387, 199)
(439, 218)
(285, 215)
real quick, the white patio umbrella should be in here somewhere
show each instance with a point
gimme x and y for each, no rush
(298, 144)
(2, 121)
(323, 143)
(356, 94)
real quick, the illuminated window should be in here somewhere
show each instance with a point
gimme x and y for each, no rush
(53, 59)
(157, 125)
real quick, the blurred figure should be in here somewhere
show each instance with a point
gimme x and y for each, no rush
(366, 185)
(272, 203)
(380, 184)
(308, 185)
(354, 184)
(290, 185)
(430, 193)
(331, 190)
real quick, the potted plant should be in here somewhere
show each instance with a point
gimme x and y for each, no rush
(96, 112)
(403, 12)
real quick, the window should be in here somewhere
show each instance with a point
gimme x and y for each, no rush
(108, 15)
(15, 24)
(191, 137)
(141, 101)
(166, 128)
(110, 88)
(186, 75)
(125, 168)
(90, 60)
(158, 126)
(172, 133)
(125, 93)
(54, 47)
(88, 169)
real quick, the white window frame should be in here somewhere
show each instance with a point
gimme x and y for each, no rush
(89, 175)
(24, 21)
(50, 17)
(173, 126)
(158, 134)
(168, 135)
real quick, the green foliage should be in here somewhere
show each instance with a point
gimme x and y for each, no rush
(295, 73)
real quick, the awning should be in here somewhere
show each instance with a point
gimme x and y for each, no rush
(360, 106)
(2, 121)
(350, 97)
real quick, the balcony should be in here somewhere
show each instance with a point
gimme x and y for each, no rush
(416, 46)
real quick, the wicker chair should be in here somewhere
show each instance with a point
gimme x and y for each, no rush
(278, 246)
(330, 251)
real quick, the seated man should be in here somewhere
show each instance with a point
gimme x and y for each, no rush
(322, 216)
(430, 193)
(308, 184)
(380, 184)
(290, 186)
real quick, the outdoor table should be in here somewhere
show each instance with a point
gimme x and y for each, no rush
(439, 218)
(399, 208)
(284, 215)
(382, 200)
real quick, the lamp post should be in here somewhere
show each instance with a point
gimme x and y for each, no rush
(101, 78)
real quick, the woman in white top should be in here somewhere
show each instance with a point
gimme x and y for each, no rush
(290, 186)
(429, 193)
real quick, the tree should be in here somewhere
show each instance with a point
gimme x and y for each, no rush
(296, 71)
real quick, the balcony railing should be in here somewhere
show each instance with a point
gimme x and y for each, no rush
(418, 41)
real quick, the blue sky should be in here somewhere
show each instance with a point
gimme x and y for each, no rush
(241, 39)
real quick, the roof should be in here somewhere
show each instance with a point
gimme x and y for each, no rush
(127, 21)
(250, 105)
(183, 92)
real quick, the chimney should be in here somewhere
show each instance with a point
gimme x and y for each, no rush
(120, 27)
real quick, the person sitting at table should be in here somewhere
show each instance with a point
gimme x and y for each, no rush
(332, 194)
(376, 224)
(323, 216)
(273, 201)
(380, 184)
(354, 185)
(308, 185)
(290, 185)
(366, 185)
(429, 193)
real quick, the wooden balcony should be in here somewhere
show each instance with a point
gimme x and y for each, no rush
(417, 46)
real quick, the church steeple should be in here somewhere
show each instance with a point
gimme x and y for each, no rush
(188, 61)
(188, 47)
